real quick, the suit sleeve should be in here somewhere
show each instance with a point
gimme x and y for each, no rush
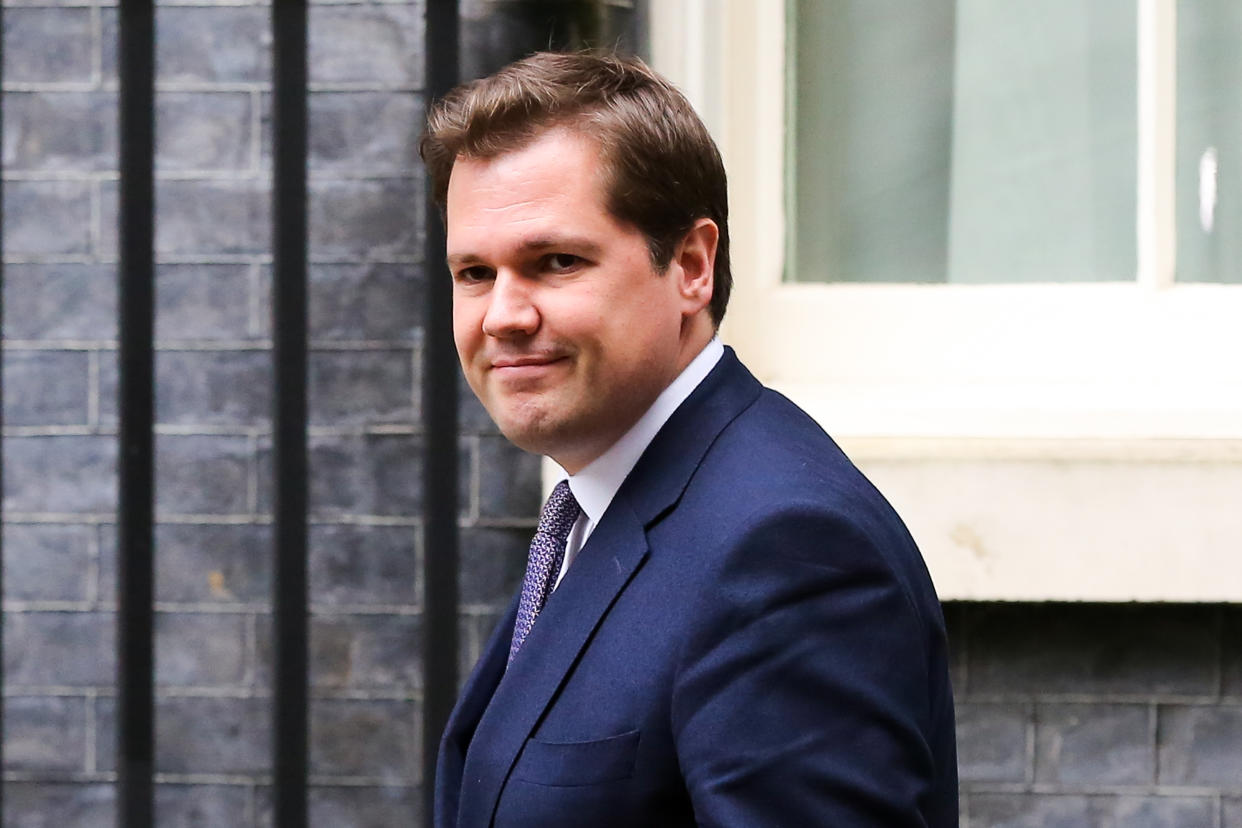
(802, 698)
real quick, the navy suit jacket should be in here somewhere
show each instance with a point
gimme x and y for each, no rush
(749, 637)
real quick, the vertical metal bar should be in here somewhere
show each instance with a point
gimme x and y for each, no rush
(1, 414)
(289, 338)
(136, 304)
(440, 557)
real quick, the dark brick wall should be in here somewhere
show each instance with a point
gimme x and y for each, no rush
(1099, 715)
(213, 366)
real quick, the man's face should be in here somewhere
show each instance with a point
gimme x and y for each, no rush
(565, 330)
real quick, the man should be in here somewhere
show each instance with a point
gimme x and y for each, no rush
(722, 622)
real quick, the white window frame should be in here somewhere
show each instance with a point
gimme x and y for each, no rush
(1044, 441)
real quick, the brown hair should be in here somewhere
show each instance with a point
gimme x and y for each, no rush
(663, 171)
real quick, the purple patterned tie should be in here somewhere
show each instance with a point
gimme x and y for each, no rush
(547, 551)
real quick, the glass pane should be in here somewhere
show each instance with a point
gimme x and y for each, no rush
(1209, 141)
(962, 141)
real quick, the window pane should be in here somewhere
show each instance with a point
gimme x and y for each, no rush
(1209, 141)
(968, 141)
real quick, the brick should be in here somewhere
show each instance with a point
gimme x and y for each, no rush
(361, 387)
(364, 132)
(220, 44)
(201, 563)
(46, 562)
(197, 474)
(493, 562)
(59, 804)
(46, 388)
(216, 388)
(1136, 650)
(354, 806)
(992, 742)
(202, 301)
(198, 735)
(365, 302)
(45, 733)
(1094, 744)
(203, 131)
(509, 480)
(371, 474)
(62, 473)
(1048, 810)
(372, 738)
(375, 44)
(70, 649)
(59, 301)
(356, 652)
(200, 217)
(1231, 648)
(373, 218)
(199, 649)
(47, 46)
(60, 131)
(1231, 812)
(1199, 745)
(363, 565)
(47, 218)
(199, 806)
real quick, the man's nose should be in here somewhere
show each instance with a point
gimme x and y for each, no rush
(511, 310)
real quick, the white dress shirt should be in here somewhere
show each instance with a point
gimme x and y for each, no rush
(595, 485)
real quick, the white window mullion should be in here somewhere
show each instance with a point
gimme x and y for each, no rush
(1157, 142)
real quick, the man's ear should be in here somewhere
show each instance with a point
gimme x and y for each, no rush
(695, 261)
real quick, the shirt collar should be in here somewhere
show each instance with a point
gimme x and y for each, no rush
(597, 483)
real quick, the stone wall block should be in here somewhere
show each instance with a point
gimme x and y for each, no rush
(214, 388)
(380, 44)
(370, 474)
(203, 45)
(1231, 812)
(47, 45)
(354, 806)
(372, 218)
(364, 302)
(992, 742)
(355, 652)
(213, 217)
(202, 474)
(67, 649)
(62, 473)
(199, 649)
(45, 733)
(1094, 744)
(509, 480)
(203, 301)
(1136, 650)
(198, 735)
(493, 562)
(1200, 745)
(201, 806)
(46, 562)
(60, 804)
(363, 565)
(372, 132)
(1038, 810)
(361, 387)
(59, 301)
(203, 131)
(46, 388)
(47, 218)
(365, 737)
(60, 131)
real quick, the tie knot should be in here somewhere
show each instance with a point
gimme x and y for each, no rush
(559, 513)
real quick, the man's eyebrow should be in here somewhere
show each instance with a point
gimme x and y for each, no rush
(571, 244)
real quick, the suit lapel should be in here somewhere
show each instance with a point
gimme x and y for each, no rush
(606, 563)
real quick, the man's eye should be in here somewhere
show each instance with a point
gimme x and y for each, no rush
(472, 275)
(562, 261)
